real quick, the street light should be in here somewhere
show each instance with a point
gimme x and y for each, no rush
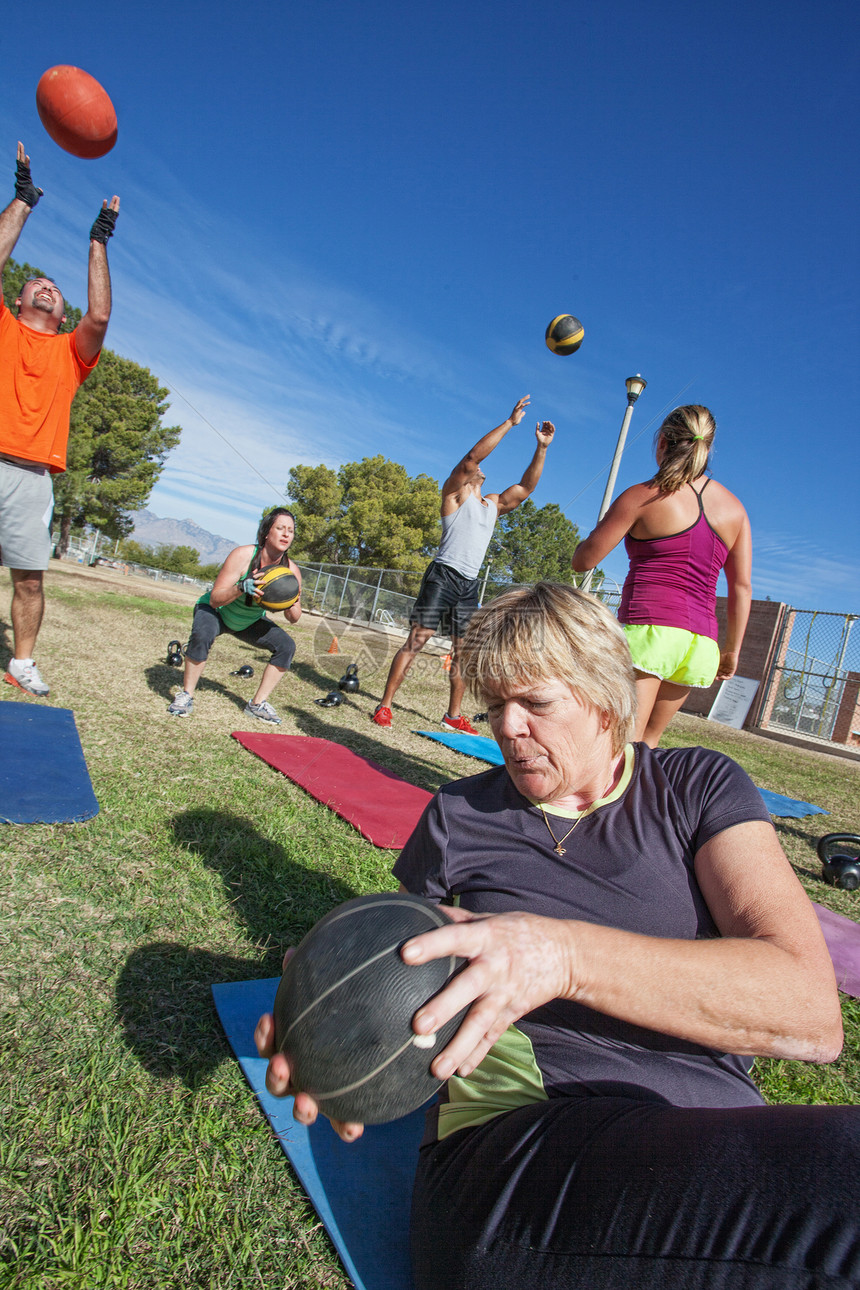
(635, 386)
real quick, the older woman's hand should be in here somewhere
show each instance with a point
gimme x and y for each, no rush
(516, 963)
(278, 1076)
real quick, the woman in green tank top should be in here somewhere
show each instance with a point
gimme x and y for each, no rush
(230, 607)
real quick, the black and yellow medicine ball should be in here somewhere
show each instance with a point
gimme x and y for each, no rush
(278, 587)
(565, 334)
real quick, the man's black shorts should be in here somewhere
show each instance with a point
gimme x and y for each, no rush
(446, 600)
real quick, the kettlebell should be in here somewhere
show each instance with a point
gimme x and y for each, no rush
(174, 654)
(331, 700)
(349, 681)
(842, 872)
(839, 854)
(244, 670)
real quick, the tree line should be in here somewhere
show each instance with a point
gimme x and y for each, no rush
(369, 513)
(372, 514)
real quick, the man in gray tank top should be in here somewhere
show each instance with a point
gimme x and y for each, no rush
(448, 595)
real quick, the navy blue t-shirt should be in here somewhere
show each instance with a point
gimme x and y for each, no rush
(628, 864)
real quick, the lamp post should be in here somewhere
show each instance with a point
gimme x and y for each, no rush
(635, 386)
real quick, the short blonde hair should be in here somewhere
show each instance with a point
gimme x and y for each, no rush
(553, 632)
(688, 435)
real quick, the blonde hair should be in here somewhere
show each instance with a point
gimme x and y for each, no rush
(553, 632)
(688, 435)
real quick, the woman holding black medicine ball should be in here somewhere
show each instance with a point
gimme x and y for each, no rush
(232, 606)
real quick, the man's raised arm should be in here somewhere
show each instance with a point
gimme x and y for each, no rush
(90, 331)
(14, 217)
(516, 493)
(465, 469)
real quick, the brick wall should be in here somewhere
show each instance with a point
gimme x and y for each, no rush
(757, 654)
(847, 727)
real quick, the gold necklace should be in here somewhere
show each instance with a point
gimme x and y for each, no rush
(586, 810)
(559, 849)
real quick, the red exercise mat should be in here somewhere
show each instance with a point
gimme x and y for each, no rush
(382, 806)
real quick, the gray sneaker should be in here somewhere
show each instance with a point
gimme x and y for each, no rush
(25, 674)
(182, 704)
(264, 711)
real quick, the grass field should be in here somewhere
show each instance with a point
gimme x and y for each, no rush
(133, 1154)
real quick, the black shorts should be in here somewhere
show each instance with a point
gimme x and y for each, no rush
(207, 625)
(446, 599)
(610, 1193)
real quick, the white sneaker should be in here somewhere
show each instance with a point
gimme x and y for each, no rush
(24, 673)
(182, 704)
(264, 711)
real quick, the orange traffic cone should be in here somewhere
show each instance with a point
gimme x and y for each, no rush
(333, 648)
(446, 662)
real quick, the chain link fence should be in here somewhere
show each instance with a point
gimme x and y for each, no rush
(816, 657)
(96, 550)
(386, 596)
(814, 660)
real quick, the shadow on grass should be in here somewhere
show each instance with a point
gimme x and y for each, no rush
(163, 992)
(809, 836)
(165, 680)
(6, 643)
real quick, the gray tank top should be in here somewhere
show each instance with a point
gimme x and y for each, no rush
(466, 535)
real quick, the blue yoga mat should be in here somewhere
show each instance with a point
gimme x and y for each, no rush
(488, 750)
(472, 745)
(43, 774)
(362, 1190)
(789, 807)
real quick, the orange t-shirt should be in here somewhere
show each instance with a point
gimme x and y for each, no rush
(39, 376)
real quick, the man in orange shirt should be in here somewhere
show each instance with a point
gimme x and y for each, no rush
(40, 372)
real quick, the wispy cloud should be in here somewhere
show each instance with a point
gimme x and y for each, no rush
(789, 567)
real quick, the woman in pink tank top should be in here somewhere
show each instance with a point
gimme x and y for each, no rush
(678, 537)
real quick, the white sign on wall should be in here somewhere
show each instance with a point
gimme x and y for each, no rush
(733, 701)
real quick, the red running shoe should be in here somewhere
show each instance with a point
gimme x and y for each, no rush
(381, 716)
(459, 723)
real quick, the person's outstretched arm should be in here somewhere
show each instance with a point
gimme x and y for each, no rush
(90, 331)
(14, 217)
(465, 469)
(612, 529)
(516, 493)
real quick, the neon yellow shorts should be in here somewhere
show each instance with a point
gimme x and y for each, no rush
(673, 654)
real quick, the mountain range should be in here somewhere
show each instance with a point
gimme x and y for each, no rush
(152, 530)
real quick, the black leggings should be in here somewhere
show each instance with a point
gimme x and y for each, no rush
(610, 1193)
(207, 626)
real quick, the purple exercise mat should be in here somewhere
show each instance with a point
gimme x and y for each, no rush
(843, 941)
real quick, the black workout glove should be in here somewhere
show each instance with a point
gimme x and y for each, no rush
(249, 586)
(104, 225)
(25, 189)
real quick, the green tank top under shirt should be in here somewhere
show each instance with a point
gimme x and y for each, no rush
(237, 615)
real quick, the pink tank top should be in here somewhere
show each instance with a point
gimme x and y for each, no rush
(672, 580)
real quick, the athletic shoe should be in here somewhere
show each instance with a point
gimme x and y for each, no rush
(381, 716)
(24, 673)
(459, 724)
(182, 704)
(264, 711)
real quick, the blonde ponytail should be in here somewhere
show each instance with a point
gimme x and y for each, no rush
(688, 435)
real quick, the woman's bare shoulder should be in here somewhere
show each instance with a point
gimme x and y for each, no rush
(240, 554)
(717, 492)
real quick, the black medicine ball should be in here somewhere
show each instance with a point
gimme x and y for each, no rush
(344, 1009)
(565, 334)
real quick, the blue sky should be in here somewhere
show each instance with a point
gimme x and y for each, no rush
(345, 227)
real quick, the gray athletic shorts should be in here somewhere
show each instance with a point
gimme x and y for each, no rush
(26, 507)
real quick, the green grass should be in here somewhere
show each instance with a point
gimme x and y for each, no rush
(133, 1153)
